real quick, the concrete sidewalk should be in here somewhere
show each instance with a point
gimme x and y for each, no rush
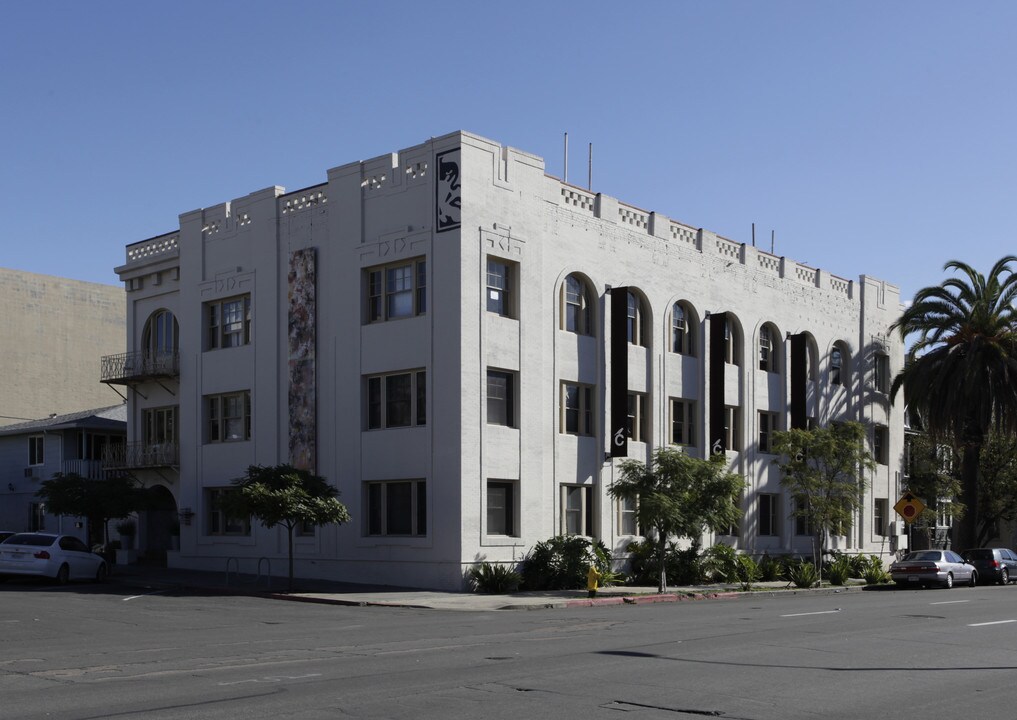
(340, 593)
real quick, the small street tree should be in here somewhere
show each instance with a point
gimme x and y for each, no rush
(823, 470)
(932, 478)
(997, 491)
(287, 496)
(679, 495)
(96, 500)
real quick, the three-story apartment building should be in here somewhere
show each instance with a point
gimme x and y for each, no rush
(467, 348)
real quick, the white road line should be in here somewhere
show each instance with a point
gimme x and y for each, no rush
(821, 612)
(996, 622)
(135, 597)
(949, 602)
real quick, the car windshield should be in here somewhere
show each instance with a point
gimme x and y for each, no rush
(926, 555)
(30, 539)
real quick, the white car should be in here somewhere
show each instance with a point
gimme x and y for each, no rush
(60, 557)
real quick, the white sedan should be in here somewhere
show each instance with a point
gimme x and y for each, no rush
(927, 567)
(60, 557)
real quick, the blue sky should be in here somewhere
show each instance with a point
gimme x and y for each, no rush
(872, 137)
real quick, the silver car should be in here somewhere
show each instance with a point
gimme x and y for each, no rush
(927, 567)
(59, 557)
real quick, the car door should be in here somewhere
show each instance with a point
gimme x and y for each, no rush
(82, 562)
(961, 570)
(1008, 558)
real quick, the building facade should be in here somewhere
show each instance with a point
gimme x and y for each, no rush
(52, 334)
(431, 330)
(33, 452)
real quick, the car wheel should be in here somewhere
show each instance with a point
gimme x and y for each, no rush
(974, 579)
(63, 575)
(1004, 577)
(948, 583)
(102, 573)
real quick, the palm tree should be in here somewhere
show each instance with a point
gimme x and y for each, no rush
(961, 375)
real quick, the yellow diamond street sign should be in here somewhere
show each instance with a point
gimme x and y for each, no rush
(909, 507)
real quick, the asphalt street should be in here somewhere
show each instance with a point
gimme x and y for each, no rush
(99, 652)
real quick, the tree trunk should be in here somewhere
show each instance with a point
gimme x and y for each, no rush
(662, 547)
(289, 538)
(965, 534)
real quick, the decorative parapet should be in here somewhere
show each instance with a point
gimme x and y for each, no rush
(684, 233)
(629, 215)
(303, 199)
(153, 247)
(580, 200)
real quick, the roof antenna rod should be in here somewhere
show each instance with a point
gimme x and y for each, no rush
(772, 232)
(565, 175)
(589, 172)
(753, 234)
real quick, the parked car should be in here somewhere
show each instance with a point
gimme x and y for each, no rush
(925, 567)
(60, 557)
(993, 564)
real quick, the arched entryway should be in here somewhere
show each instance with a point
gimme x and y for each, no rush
(162, 525)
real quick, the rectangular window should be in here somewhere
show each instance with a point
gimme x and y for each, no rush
(501, 508)
(229, 417)
(733, 427)
(228, 323)
(879, 444)
(577, 510)
(683, 422)
(396, 507)
(880, 509)
(576, 409)
(881, 373)
(37, 517)
(638, 418)
(501, 279)
(627, 522)
(768, 514)
(159, 426)
(397, 400)
(803, 524)
(36, 449)
(767, 426)
(501, 398)
(218, 522)
(396, 291)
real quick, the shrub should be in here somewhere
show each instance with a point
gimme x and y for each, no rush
(840, 570)
(561, 562)
(683, 567)
(874, 572)
(770, 568)
(748, 571)
(494, 578)
(801, 572)
(721, 563)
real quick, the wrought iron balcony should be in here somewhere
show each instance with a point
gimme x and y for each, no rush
(138, 455)
(138, 366)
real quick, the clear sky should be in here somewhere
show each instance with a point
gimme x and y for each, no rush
(874, 138)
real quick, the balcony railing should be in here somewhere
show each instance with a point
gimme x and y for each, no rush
(137, 455)
(91, 469)
(137, 366)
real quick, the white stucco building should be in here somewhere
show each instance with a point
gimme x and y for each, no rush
(431, 330)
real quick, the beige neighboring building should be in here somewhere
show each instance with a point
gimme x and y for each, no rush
(53, 334)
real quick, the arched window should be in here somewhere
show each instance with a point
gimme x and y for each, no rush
(576, 306)
(769, 346)
(837, 371)
(160, 334)
(682, 338)
(732, 343)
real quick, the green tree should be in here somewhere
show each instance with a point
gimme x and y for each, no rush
(997, 496)
(96, 500)
(932, 478)
(823, 470)
(287, 496)
(679, 495)
(961, 377)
